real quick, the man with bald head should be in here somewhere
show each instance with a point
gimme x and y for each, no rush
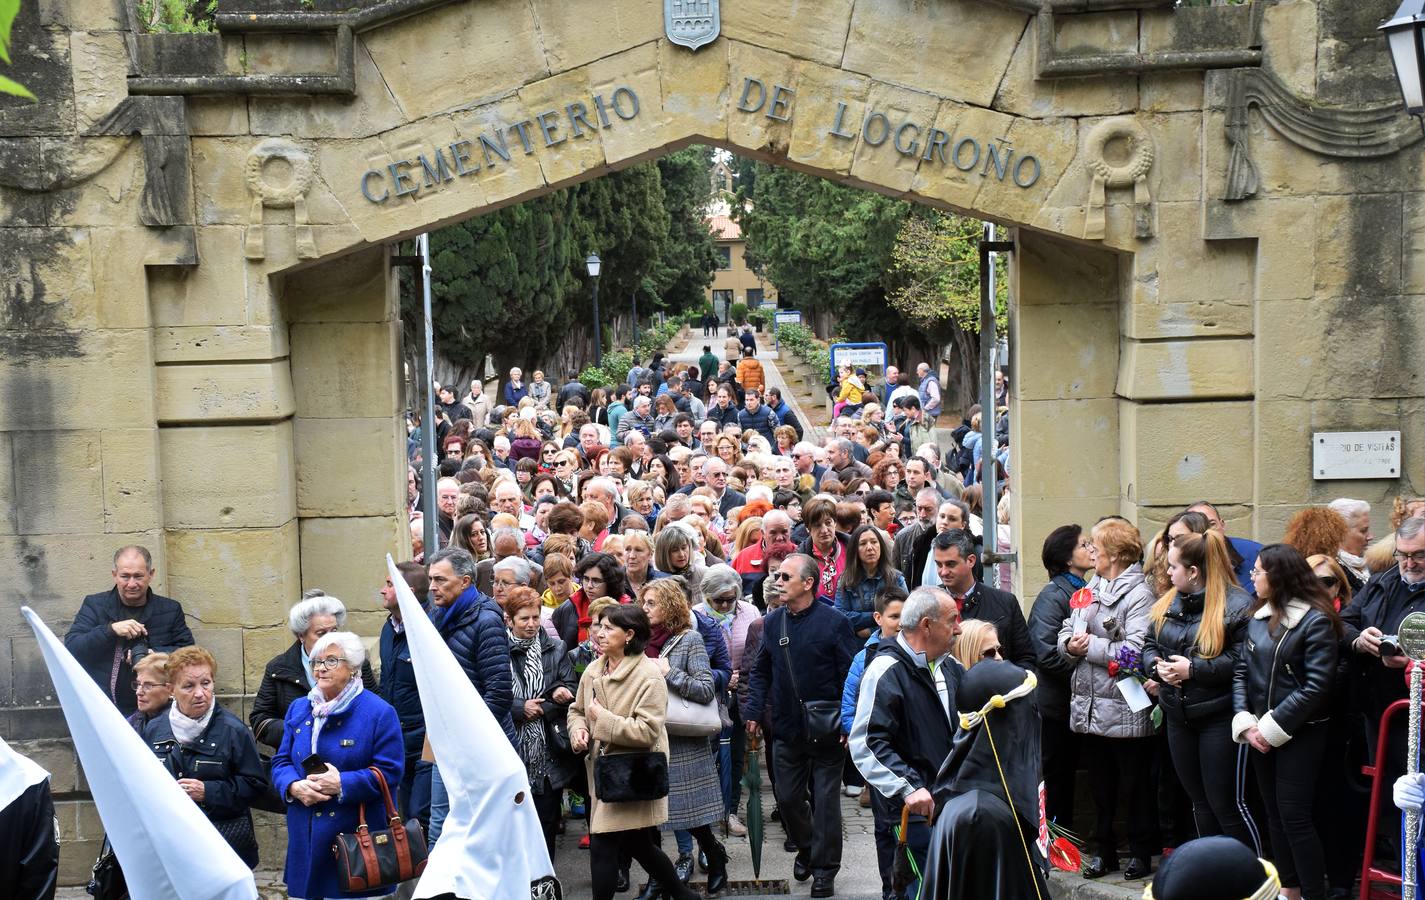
(508, 498)
(116, 628)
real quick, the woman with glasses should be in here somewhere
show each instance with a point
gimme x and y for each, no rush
(209, 751)
(1117, 738)
(598, 575)
(152, 690)
(1282, 699)
(289, 675)
(888, 474)
(566, 469)
(978, 641)
(547, 451)
(334, 736)
(1068, 557)
(870, 569)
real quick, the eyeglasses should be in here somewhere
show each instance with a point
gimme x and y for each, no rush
(861, 492)
(1416, 558)
(990, 653)
(328, 662)
(1329, 580)
(549, 452)
(780, 576)
(139, 687)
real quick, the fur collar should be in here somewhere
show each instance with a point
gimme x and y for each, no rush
(1296, 610)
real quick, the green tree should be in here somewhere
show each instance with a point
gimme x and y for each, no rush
(9, 9)
(689, 257)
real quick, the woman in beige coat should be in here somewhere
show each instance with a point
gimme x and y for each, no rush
(621, 706)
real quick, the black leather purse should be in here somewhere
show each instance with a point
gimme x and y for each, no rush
(367, 859)
(634, 776)
(106, 881)
(820, 718)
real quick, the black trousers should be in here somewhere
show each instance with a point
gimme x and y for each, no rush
(1059, 750)
(817, 831)
(1213, 770)
(606, 849)
(1287, 779)
(1121, 768)
(548, 806)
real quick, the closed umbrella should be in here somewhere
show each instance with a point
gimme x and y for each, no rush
(752, 783)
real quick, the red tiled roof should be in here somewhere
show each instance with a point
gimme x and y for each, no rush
(724, 229)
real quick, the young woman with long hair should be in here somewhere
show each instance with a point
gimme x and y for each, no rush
(1193, 644)
(1282, 700)
(870, 568)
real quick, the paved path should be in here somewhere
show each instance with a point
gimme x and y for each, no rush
(693, 349)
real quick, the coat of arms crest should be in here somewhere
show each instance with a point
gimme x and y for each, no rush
(692, 23)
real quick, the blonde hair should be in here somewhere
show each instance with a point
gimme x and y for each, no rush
(598, 605)
(668, 597)
(1122, 541)
(1208, 554)
(749, 532)
(157, 663)
(976, 635)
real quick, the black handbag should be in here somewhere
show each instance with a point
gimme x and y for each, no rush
(820, 718)
(106, 879)
(366, 859)
(634, 776)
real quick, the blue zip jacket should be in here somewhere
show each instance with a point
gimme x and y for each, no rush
(858, 603)
(398, 687)
(853, 680)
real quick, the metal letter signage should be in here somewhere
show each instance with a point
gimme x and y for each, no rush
(692, 23)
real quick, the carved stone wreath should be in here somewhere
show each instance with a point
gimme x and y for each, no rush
(293, 193)
(1132, 173)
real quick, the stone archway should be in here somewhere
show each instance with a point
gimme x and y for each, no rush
(200, 342)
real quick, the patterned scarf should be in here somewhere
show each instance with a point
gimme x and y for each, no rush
(529, 684)
(322, 708)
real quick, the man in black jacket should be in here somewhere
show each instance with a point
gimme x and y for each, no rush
(805, 654)
(116, 628)
(398, 687)
(954, 553)
(904, 721)
(1377, 611)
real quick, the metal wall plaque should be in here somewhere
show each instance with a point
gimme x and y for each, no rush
(1411, 635)
(692, 23)
(1355, 454)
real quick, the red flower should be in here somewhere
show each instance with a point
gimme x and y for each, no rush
(1064, 855)
(1113, 668)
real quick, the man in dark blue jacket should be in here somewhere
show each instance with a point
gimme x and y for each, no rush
(757, 416)
(805, 654)
(398, 687)
(474, 629)
(116, 628)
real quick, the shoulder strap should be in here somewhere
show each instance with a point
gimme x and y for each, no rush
(791, 669)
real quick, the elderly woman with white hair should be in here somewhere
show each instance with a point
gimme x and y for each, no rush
(289, 674)
(510, 573)
(1352, 553)
(332, 739)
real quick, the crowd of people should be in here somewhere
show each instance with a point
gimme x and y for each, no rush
(670, 569)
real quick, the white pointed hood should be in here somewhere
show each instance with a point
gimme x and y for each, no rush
(491, 845)
(18, 773)
(167, 848)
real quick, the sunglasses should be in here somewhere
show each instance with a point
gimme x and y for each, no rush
(990, 653)
(781, 576)
(1329, 580)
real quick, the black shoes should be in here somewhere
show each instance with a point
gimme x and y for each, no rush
(622, 884)
(790, 845)
(1098, 866)
(651, 891)
(800, 870)
(824, 886)
(684, 867)
(1137, 868)
(717, 870)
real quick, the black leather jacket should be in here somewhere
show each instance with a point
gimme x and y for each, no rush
(284, 681)
(1208, 691)
(1284, 682)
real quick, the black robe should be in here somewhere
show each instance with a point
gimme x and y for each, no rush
(986, 841)
(29, 845)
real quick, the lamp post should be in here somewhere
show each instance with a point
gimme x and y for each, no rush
(1405, 35)
(595, 265)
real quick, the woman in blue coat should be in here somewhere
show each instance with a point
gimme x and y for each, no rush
(350, 729)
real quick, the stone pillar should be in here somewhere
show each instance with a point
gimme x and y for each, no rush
(1064, 451)
(349, 437)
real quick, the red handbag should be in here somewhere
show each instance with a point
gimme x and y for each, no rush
(368, 859)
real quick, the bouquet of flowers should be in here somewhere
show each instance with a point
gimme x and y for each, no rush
(1128, 664)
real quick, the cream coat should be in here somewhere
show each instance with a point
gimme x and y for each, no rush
(635, 700)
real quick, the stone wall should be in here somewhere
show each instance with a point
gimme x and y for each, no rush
(198, 338)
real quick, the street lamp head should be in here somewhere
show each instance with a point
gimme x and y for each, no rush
(595, 264)
(1405, 34)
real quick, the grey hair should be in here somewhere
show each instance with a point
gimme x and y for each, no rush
(1410, 528)
(351, 648)
(642, 401)
(842, 445)
(1350, 509)
(605, 484)
(134, 548)
(461, 562)
(523, 571)
(924, 603)
(506, 531)
(932, 492)
(721, 579)
(300, 618)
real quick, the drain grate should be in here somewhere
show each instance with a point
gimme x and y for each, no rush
(767, 888)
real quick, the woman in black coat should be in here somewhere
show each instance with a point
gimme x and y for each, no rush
(1282, 699)
(1191, 652)
(288, 675)
(544, 685)
(209, 750)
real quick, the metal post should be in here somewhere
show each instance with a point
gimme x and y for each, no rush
(987, 399)
(1410, 859)
(598, 331)
(432, 533)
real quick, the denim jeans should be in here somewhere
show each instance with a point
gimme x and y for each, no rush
(439, 806)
